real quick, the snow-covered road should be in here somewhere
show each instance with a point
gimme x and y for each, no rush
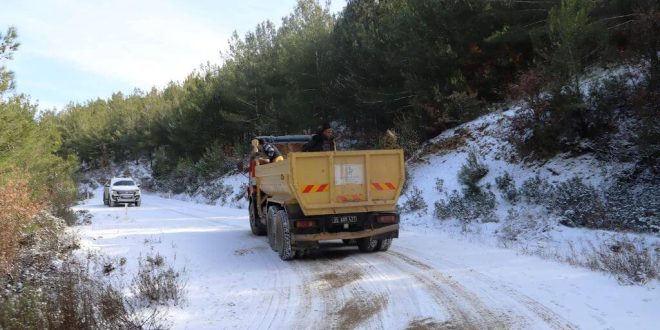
(427, 280)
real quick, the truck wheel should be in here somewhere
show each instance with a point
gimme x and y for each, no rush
(283, 238)
(367, 244)
(271, 229)
(255, 224)
(138, 203)
(384, 244)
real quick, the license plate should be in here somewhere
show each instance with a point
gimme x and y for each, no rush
(345, 219)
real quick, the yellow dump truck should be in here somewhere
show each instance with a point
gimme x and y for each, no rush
(316, 196)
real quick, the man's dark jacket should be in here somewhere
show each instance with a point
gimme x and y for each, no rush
(318, 143)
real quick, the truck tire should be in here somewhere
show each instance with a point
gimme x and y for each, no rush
(367, 244)
(111, 203)
(271, 229)
(138, 203)
(255, 224)
(283, 237)
(384, 244)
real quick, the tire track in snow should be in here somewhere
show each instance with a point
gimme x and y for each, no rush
(277, 301)
(334, 289)
(466, 310)
(272, 311)
(548, 316)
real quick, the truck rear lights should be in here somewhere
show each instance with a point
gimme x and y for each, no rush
(389, 218)
(305, 223)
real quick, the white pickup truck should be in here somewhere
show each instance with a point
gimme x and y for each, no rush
(121, 191)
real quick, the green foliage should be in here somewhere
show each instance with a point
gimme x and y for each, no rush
(467, 208)
(578, 204)
(184, 177)
(470, 174)
(30, 146)
(558, 125)
(536, 190)
(574, 38)
(507, 187)
(419, 67)
(213, 163)
(415, 203)
(8, 45)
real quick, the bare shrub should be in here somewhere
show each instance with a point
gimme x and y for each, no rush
(443, 146)
(536, 190)
(74, 293)
(157, 283)
(241, 194)
(632, 205)
(217, 190)
(74, 297)
(507, 187)
(83, 217)
(66, 299)
(522, 222)
(409, 136)
(439, 185)
(17, 209)
(415, 203)
(529, 87)
(631, 261)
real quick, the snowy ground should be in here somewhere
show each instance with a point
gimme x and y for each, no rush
(428, 279)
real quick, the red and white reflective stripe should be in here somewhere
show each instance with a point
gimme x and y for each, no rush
(312, 188)
(383, 185)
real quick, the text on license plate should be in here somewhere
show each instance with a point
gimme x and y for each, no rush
(345, 219)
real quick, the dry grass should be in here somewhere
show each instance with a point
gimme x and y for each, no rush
(631, 261)
(50, 288)
(445, 145)
(158, 283)
(76, 297)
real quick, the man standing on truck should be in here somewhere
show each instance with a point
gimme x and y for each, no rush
(271, 151)
(324, 140)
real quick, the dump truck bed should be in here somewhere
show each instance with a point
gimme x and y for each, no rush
(335, 182)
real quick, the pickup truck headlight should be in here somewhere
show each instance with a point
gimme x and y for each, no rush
(114, 192)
